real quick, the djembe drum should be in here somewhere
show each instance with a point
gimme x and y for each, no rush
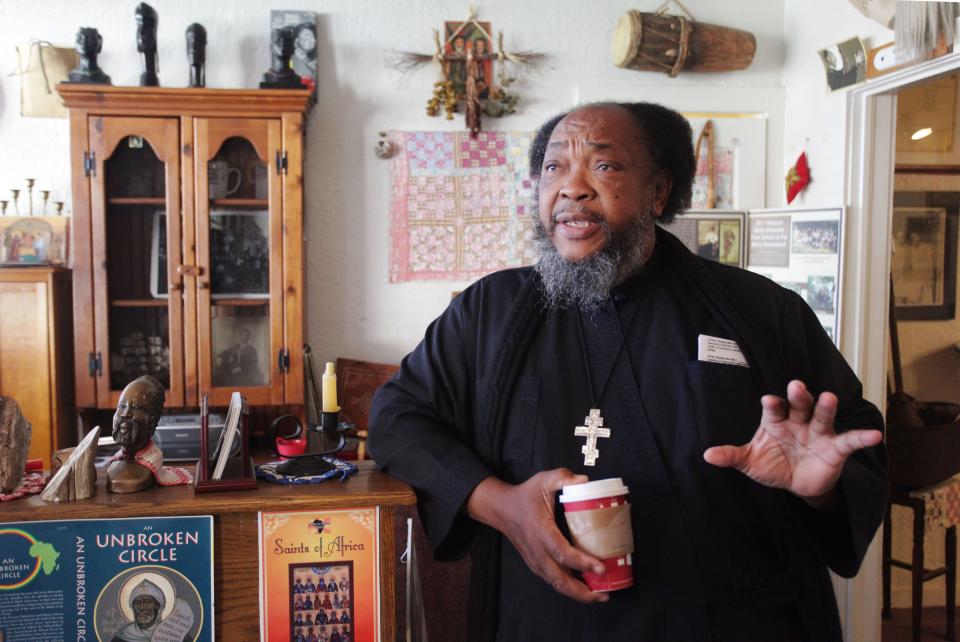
(669, 43)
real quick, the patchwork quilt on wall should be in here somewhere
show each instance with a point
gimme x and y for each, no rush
(460, 207)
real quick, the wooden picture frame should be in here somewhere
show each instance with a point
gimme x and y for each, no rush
(923, 262)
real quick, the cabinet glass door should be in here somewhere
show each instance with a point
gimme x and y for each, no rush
(239, 254)
(136, 243)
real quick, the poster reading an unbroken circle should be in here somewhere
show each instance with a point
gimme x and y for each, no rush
(319, 576)
(148, 578)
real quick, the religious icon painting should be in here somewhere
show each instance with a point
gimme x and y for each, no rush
(321, 601)
(320, 576)
(34, 240)
(465, 36)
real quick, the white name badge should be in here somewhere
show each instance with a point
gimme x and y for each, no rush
(717, 350)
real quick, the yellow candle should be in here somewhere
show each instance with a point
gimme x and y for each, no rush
(329, 380)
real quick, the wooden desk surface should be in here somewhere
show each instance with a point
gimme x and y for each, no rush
(368, 487)
(235, 533)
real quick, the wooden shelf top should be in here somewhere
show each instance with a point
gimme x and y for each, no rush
(139, 303)
(108, 99)
(239, 301)
(239, 202)
(369, 487)
(137, 200)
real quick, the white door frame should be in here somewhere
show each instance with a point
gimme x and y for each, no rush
(868, 193)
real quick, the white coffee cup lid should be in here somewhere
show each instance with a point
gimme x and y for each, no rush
(612, 487)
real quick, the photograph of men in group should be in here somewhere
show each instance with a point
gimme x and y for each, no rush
(751, 460)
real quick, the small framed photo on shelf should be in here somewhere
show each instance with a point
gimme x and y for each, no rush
(923, 264)
(158, 256)
(240, 254)
(34, 240)
(241, 346)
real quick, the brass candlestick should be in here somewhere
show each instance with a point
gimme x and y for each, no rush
(16, 195)
(30, 182)
(45, 194)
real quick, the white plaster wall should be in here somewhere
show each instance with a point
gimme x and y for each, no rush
(815, 121)
(352, 310)
(814, 118)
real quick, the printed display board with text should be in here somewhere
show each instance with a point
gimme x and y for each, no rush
(800, 250)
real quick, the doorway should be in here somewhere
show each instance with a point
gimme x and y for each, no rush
(869, 188)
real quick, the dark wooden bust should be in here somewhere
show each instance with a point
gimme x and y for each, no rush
(147, 20)
(88, 45)
(197, 54)
(134, 423)
(281, 75)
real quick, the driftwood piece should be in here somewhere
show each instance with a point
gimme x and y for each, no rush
(77, 477)
(14, 444)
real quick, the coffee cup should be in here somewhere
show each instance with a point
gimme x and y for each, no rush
(220, 176)
(598, 517)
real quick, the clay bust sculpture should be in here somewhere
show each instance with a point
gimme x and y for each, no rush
(134, 423)
(197, 54)
(88, 45)
(280, 74)
(147, 19)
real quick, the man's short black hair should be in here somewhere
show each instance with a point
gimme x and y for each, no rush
(669, 141)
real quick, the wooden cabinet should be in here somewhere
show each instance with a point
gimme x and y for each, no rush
(188, 242)
(36, 354)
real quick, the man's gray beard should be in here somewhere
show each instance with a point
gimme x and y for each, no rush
(587, 283)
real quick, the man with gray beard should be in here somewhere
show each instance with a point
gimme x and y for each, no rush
(752, 459)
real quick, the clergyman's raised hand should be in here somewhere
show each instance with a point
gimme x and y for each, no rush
(796, 447)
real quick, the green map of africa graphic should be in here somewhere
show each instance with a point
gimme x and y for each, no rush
(48, 556)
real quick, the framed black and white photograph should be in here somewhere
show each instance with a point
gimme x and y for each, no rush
(158, 256)
(241, 346)
(304, 25)
(923, 261)
(845, 63)
(240, 254)
(815, 237)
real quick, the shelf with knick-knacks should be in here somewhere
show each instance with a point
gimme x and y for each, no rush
(30, 234)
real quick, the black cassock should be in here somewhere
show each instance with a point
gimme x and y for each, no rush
(717, 556)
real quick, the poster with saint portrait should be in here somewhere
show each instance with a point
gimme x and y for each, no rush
(320, 575)
(800, 250)
(107, 579)
(304, 58)
(463, 37)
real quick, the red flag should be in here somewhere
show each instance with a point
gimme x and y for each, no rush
(798, 177)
